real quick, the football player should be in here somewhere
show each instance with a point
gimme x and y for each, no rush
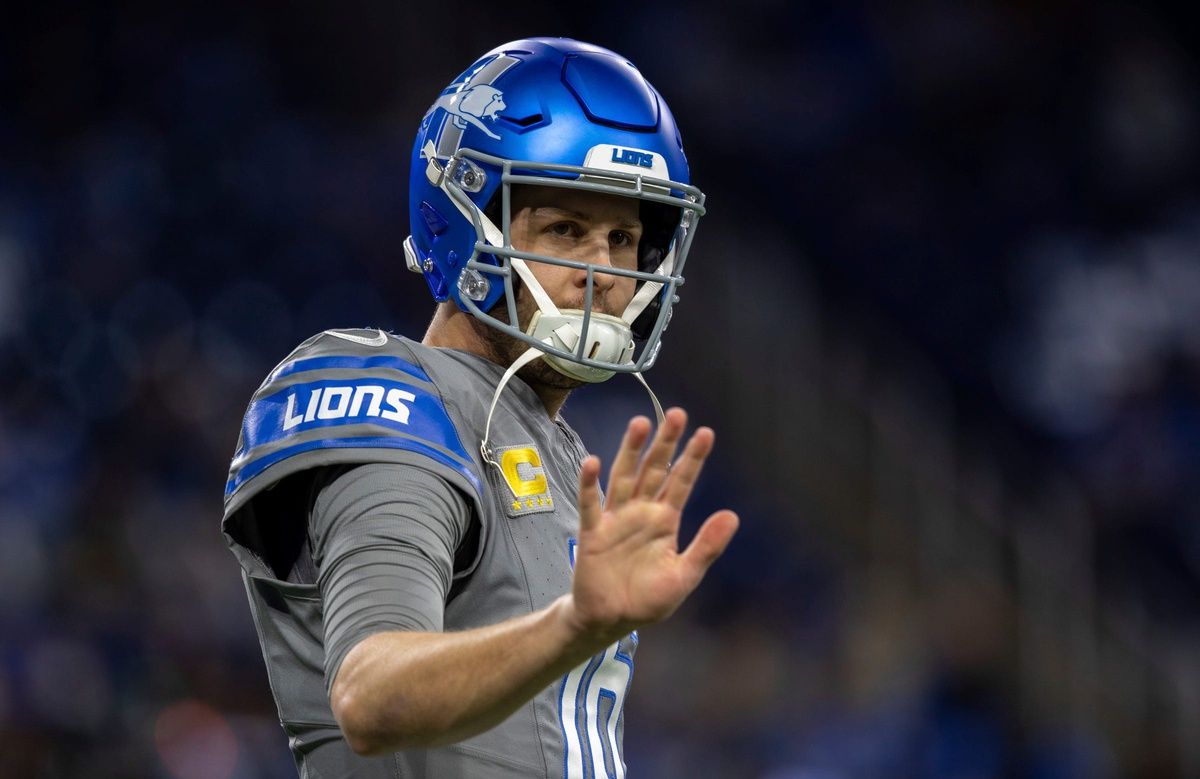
(439, 588)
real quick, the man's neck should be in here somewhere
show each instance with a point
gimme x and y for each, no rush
(455, 329)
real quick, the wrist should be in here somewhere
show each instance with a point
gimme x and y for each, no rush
(581, 636)
(566, 616)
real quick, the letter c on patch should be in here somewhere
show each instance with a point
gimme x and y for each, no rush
(530, 480)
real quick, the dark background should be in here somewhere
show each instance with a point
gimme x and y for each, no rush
(944, 315)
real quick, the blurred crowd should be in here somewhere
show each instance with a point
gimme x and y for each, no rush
(1009, 190)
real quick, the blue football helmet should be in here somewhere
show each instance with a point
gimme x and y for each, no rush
(551, 112)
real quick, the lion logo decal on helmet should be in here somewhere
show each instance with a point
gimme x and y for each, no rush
(472, 105)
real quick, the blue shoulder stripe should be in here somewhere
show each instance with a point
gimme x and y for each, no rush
(274, 423)
(366, 442)
(348, 361)
(337, 402)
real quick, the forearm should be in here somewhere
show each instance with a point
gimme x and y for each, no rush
(401, 690)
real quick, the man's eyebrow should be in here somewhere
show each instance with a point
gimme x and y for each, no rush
(559, 211)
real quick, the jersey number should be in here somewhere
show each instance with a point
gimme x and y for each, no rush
(590, 703)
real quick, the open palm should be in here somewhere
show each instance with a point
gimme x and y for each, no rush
(629, 571)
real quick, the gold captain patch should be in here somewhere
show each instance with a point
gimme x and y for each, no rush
(521, 467)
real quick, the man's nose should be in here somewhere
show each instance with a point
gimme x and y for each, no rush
(596, 251)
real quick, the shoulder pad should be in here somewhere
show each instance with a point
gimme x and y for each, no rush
(343, 396)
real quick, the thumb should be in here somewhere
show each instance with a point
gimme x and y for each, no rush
(710, 541)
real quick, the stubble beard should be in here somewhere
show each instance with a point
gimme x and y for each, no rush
(504, 349)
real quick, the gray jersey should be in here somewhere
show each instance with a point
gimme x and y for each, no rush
(346, 397)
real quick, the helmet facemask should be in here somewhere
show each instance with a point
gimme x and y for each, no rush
(586, 345)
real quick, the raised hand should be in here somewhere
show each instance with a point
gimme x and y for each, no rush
(629, 571)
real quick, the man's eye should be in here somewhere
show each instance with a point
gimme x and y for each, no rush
(620, 238)
(562, 228)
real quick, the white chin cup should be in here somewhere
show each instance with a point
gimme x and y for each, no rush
(609, 339)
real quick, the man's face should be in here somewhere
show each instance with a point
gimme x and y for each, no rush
(602, 230)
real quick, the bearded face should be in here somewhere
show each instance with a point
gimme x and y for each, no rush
(602, 230)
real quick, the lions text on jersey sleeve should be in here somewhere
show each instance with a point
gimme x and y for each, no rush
(346, 397)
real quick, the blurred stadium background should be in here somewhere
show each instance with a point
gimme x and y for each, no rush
(944, 315)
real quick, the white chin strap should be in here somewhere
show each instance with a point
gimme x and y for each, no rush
(610, 338)
(528, 356)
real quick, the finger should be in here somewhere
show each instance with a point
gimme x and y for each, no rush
(658, 457)
(623, 475)
(686, 469)
(589, 493)
(710, 541)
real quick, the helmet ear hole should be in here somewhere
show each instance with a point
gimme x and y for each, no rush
(433, 220)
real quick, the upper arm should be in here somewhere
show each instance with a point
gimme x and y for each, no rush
(384, 539)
